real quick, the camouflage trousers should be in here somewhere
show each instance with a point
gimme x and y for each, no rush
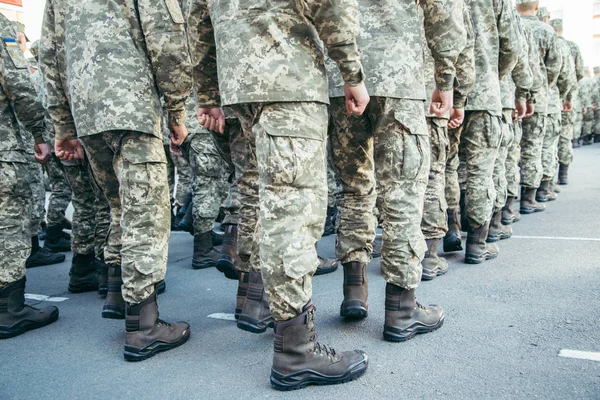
(231, 144)
(481, 139)
(60, 197)
(15, 225)
(209, 179)
(513, 157)
(452, 184)
(131, 169)
(506, 141)
(290, 155)
(388, 144)
(596, 127)
(577, 124)
(587, 124)
(550, 146)
(333, 185)
(565, 146)
(532, 140)
(434, 224)
(35, 174)
(179, 175)
(102, 217)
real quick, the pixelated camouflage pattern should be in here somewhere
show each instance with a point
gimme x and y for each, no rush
(116, 58)
(513, 157)
(516, 86)
(550, 146)
(565, 147)
(434, 224)
(566, 78)
(533, 129)
(452, 190)
(60, 197)
(500, 173)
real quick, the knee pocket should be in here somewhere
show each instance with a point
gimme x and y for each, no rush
(415, 155)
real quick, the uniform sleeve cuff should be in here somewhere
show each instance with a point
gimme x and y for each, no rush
(65, 132)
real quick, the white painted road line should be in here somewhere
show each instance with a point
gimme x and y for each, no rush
(582, 355)
(557, 238)
(41, 297)
(224, 316)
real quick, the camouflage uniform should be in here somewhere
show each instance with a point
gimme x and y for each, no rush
(497, 49)
(115, 102)
(589, 97)
(549, 62)
(565, 81)
(284, 110)
(596, 128)
(389, 143)
(18, 99)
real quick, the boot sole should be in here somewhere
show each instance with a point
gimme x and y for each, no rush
(452, 245)
(253, 327)
(82, 288)
(134, 354)
(226, 267)
(297, 381)
(325, 271)
(57, 249)
(431, 276)
(204, 264)
(478, 260)
(353, 312)
(110, 313)
(393, 334)
(25, 326)
(62, 259)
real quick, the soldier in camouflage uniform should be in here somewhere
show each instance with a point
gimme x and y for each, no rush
(514, 89)
(436, 213)
(18, 102)
(565, 81)
(589, 100)
(497, 49)
(534, 125)
(283, 110)
(114, 98)
(595, 134)
(565, 149)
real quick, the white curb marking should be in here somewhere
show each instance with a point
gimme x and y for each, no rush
(224, 316)
(41, 297)
(558, 238)
(582, 355)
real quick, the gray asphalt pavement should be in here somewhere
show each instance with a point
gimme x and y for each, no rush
(506, 322)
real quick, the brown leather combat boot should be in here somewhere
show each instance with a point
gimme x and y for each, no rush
(405, 317)
(102, 276)
(509, 216)
(452, 240)
(299, 360)
(433, 265)
(356, 291)
(498, 231)
(229, 257)
(255, 316)
(16, 317)
(528, 204)
(242, 291)
(478, 250)
(114, 305)
(148, 335)
(544, 192)
(83, 274)
(563, 174)
(205, 256)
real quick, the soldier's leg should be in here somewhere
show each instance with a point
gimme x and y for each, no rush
(60, 197)
(452, 239)
(102, 223)
(588, 126)
(183, 170)
(577, 127)
(83, 276)
(531, 162)
(565, 145)
(513, 156)
(549, 158)
(351, 139)
(497, 230)
(434, 224)
(482, 137)
(15, 209)
(36, 174)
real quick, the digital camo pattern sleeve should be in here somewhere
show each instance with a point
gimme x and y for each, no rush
(566, 77)
(522, 75)
(577, 59)
(533, 58)
(446, 37)
(337, 25)
(509, 38)
(203, 53)
(465, 64)
(164, 31)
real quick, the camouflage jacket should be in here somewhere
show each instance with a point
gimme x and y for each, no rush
(588, 94)
(516, 85)
(270, 50)
(18, 99)
(549, 58)
(573, 94)
(566, 78)
(107, 63)
(465, 67)
(497, 50)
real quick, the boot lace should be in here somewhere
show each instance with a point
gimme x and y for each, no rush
(421, 306)
(319, 348)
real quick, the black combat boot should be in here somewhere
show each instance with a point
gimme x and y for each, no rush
(464, 221)
(147, 334)
(452, 240)
(40, 256)
(83, 274)
(545, 192)
(229, 256)
(563, 174)
(498, 231)
(217, 237)
(205, 256)
(66, 223)
(329, 228)
(405, 317)
(114, 305)
(597, 138)
(478, 250)
(299, 360)
(433, 265)
(102, 269)
(528, 204)
(576, 143)
(587, 140)
(54, 240)
(255, 316)
(377, 245)
(16, 317)
(509, 216)
(356, 291)
(42, 235)
(187, 222)
(242, 291)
